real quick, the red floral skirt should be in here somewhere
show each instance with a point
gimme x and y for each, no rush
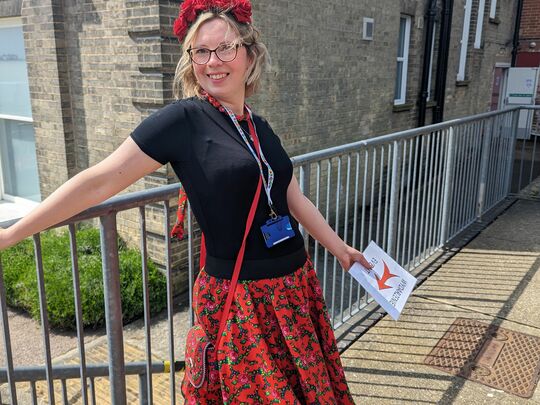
(278, 347)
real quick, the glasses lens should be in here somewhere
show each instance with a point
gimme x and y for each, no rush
(227, 52)
(200, 55)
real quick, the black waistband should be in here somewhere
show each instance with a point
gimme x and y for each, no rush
(256, 269)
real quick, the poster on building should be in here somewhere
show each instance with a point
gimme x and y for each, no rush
(387, 282)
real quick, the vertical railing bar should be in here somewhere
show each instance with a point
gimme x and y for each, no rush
(465, 130)
(448, 185)
(477, 166)
(362, 226)
(486, 146)
(510, 153)
(355, 228)
(468, 171)
(533, 158)
(496, 163)
(440, 188)
(78, 309)
(406, 227)
(170, 312)
(7, 338)
(317, 204)
(64, 391)
(521, 164)
(191, 264)
(93, 391)
(412, 239)
(399, 236)
(429, 184)
(113, 308)
(44, 316)
(392, 195)
(372, 202)
(146, 307)
(334, 264)
(379, 202)
(345, 231)
(434, 194)
(305, 186)
(418, 193)
(514, 122)
(387, 195)
(325, 267)
(34, 392)
(425, 173)
(492, 171)
(457, 189)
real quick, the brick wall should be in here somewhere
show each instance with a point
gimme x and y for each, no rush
(98, 68)
(529, 32)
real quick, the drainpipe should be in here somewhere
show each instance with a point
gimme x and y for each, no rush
(422, 102)
(516, 32)
(442, 60)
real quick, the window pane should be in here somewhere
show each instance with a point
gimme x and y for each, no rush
(397, 90)
(14, 90)
(18, 158)
(401, 41)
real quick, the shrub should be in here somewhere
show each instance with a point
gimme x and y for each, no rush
(21, 280)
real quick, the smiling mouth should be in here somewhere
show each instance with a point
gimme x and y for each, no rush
(218, 76)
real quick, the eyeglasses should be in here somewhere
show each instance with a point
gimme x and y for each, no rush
(224, 52)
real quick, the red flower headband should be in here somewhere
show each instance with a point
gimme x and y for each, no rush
(190, 9)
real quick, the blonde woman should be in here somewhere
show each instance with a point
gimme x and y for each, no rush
(278, 345)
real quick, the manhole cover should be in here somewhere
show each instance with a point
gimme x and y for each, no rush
(491, 355)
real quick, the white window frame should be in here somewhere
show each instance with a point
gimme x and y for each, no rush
(493, 9)
(464, 41)
(24, 203)
(479, 24)
(366, 21)
(404, 59)
(431, 61)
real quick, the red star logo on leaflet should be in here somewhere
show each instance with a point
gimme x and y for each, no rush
(385, 277)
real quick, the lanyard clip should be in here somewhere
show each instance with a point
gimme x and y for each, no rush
(273, 214)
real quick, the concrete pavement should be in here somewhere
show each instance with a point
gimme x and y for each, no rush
(494, 279)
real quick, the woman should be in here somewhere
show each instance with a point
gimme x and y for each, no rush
(278, 345)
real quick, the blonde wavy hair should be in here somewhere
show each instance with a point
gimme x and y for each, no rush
(185, 84)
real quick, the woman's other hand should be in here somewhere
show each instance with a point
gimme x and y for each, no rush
(350, 256)
(4, 239)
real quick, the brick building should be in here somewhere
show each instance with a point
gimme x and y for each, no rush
(342, 71)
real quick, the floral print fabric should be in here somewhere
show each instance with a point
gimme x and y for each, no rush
(278, 346)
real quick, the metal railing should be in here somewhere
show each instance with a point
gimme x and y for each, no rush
(410, 192)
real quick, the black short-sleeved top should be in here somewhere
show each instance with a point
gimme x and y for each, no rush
(220, 177)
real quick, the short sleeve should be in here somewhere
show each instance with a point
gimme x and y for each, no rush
(164, 135)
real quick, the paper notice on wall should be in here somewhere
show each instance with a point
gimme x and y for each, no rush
(387, 282)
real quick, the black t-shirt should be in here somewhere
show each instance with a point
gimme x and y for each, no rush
(220, 177)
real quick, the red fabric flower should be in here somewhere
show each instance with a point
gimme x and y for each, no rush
(190, 9)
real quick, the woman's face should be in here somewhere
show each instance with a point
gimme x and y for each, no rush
(223, 80)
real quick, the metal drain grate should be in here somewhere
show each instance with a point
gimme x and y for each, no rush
(491, 355)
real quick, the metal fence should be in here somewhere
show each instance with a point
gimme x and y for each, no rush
(410, 192)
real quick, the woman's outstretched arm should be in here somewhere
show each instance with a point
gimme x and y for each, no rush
(123, 167)
(312, 220)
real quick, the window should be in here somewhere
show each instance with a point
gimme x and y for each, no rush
(479, 24)
(18, 164)
(402, 59)
(367, 32)
(464, 41)
(493, 9)
(431, 61)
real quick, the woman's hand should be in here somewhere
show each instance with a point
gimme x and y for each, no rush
(4, 240)
(351, 255)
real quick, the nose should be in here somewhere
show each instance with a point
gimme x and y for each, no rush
(214, 60)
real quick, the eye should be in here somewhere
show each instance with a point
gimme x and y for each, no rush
(201, 51)
(226, 47)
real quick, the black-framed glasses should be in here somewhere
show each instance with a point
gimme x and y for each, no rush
(224, 52)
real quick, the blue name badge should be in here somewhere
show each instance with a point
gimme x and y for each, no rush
(277, 230)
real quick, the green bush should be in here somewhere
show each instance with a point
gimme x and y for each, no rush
(21, 280)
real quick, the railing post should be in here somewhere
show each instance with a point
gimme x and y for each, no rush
(305, 183)
(113, 308)
(484, 163)
(394, 194)
(511, 155)
(448, 185)
(7, 338)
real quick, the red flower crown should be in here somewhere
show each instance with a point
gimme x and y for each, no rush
(190, 10)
